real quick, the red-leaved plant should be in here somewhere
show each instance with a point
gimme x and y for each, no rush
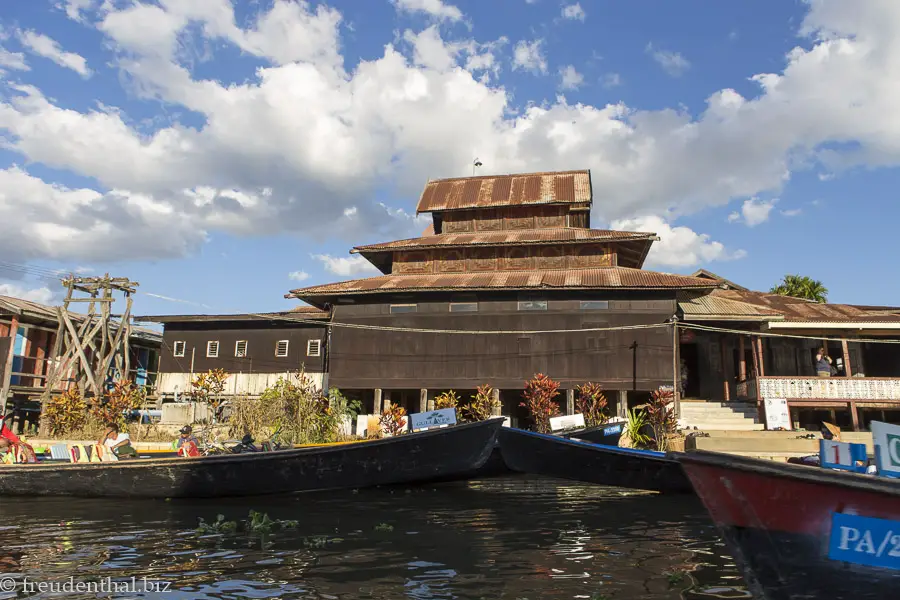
(539, 394)
(592, 404)
(661, 416)
(393, 419)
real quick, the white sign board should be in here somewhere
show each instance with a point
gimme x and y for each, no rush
(567, 422)
(777, 414)
(886, 439)
(434, 418)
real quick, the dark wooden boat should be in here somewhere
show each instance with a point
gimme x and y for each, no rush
(608, 435)
(803, 532)
(402, 459)
(554, 456)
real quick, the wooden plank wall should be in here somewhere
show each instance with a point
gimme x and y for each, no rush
(361, 359)
(507, 218)
(514, 258)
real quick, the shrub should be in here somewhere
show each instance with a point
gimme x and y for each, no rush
(637, 420)
(539, 394)
(66, 413)
(661, 417)
(393, 419)
(446, 400)
(118, 402)
(208, 387)
(295, 408)
(592, 404)
(480, 407)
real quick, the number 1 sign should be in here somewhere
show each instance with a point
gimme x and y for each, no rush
(843, 456)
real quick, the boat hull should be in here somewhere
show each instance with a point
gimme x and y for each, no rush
(554, 456)
(402, 459)
(608, 435)
(777, 520)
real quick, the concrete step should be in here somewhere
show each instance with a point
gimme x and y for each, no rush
(736, 426)
(725, 414)
(695, 408)
(731, 445)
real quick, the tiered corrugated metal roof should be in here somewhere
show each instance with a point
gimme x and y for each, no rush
(491, 191)
(597, 278)
(508, 238)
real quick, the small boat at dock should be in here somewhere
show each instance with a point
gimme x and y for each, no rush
(555, 456)
(405, 458)
(608, 434)
(803, 532)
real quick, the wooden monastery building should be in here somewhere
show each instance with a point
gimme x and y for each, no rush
(510, 280)
(254, 349)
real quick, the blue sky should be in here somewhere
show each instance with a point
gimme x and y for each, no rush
(222, 153)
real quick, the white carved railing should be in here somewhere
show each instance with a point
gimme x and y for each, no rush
(837, 388)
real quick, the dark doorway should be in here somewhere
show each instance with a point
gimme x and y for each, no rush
(690, 362)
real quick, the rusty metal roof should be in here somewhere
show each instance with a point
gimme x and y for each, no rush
(43, 312)
(596, 278)
(299, 312)
(711, 307)
(736, 304)
(506, 238)
(562, 187)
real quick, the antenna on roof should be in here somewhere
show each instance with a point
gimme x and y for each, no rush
(475, 165)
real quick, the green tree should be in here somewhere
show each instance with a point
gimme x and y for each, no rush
(801, 286)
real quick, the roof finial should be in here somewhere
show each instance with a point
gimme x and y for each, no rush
(475, 165)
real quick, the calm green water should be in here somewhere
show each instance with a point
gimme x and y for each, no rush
(516, 538)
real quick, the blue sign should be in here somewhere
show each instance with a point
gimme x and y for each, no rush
(865, 541)
(843, 456)
(434, 418)
(613, 429)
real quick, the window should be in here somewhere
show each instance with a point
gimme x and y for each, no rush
(212, 349)
(281, 348)
(532, 304)
(463, 307)
(314, 348)
(240, 348)
(594, 304)
(404, 308)
(178, 348)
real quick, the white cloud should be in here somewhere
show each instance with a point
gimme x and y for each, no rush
(435, 8)
(304, 139)
(678, 246)
(529, 56)
(570, 79)
(611, 80)
(346, 266)
(75, 8)
(672, 63)
(298, 275)
(47, 47)
(753, 212)
(41, 295)
(574, 12)
(792, 212)
(12, 60)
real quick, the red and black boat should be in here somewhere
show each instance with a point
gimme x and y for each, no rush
(801, 532)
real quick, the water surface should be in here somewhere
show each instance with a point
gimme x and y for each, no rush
(515, 538)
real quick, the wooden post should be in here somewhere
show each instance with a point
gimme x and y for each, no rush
(497, 409)
(570, 402)
(853, 414)
(742, 359)
(8, 361)
(761, 354)
(676, 368)
(376, 408)
(430, 406)
(423, 400)
(846, 348)
(622, 404)
(725, 369)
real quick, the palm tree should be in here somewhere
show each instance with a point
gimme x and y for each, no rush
(801, 286)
